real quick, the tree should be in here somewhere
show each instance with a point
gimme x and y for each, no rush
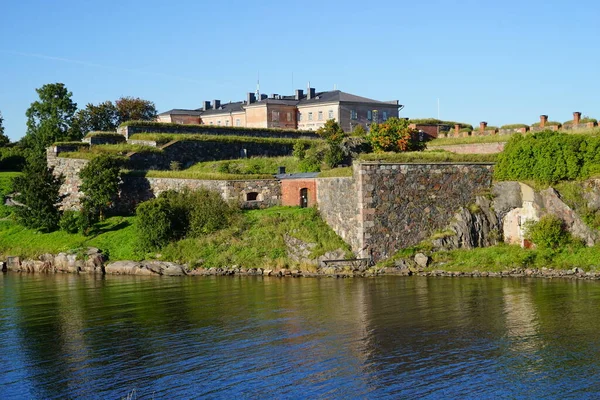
(394, 135)
(101, 117)
(4, 140)
(100, 180)
(49, 119)
(334, 136)
(38, 192)
(130, 108)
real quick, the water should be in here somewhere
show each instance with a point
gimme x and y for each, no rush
(66, 336)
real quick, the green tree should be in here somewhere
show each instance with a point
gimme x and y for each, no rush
(49, 119)
(547, 233)
(38, 192)
(4, 140)
(101, 117)
(394, 134)
(134, 108)
(100, 180)
(334, 136)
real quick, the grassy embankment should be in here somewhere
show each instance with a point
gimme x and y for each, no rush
(254, 239)
(428, 157)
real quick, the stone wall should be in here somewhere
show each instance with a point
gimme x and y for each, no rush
(127, 131)
(191, 152)
(69, 168)
(402, 204)
(137, 189)
(471, 148)
(337, 200)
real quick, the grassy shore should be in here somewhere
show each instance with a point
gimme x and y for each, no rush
(256, 238)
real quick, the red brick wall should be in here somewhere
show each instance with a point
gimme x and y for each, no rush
(290, 191)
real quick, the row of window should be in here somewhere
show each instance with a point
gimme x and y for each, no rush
(371, 116)
(319, 115)
(238, 122)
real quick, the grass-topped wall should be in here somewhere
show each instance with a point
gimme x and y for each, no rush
(130, 128)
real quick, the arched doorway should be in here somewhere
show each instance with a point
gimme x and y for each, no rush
(304, 197)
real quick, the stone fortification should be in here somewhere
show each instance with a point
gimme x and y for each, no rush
(386, 207)
(127, 131)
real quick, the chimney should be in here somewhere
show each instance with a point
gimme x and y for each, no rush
(310, 94)
(456, 128)
(576, 118)
(206, 105)
(250, 98)
(263, 96)
(299, 94)
(482, 126)
(543, 120)
(217, 104)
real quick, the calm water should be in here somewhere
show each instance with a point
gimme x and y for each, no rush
(64, 336)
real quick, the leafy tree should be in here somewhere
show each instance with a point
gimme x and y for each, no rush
(100, 180)
(4, 140)
(334, 136)
(359, 130)
(547, 233)
(49, 119)
(101, 117)
(38, 193)
(394, 135)
(134, 108)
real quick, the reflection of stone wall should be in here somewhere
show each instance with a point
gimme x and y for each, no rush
(337, 200)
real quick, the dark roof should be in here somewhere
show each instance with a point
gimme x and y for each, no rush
(339, 96)
(180, 111)
(300, 175)
(226, 108)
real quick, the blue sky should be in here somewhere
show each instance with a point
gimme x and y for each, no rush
(502, 62)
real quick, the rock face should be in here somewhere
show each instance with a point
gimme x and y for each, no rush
(145, 268)
(92, 262)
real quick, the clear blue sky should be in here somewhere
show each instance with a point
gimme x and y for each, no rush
(501, 62)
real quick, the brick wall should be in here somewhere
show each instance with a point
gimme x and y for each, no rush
(290, 191)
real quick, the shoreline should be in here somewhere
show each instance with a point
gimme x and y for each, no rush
(95, 263)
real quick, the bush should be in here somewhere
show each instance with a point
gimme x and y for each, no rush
(175, 166)
(394, 135)
(12, 158)
(100, 180)
(547, 233)
(549, 157)
(70, 222)
(175, 215)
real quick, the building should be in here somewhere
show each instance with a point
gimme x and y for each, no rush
(303, 111)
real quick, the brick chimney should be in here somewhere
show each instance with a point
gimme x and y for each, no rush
(576, 118)
(543, 120)
(456, 128)
(482, 126)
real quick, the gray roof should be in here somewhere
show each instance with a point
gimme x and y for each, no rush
(301, 175)
(339, 96)
(226, 108)
(181, 111)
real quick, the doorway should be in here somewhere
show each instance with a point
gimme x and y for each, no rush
(304, 197)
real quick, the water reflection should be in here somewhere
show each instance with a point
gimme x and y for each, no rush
(100, 337)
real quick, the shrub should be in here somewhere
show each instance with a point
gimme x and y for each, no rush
(12, 158)
(547, 233)
(71, 222)
(334, 136)
(359, 130)
(175, 166)
(175, 215)
(100, 180)
(394, 135)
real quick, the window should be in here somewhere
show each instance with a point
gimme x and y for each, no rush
(330, 115)
(289, 117)
(320, 116)
(218, 122)
(275, 116)
(369, 115)
(310, 116)
(227, 122)
(353, 114)
(238, 122)
(252, 196)
(299, 116)
(385, 115)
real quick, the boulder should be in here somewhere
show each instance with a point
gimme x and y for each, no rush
(422, 260)
(127, 268)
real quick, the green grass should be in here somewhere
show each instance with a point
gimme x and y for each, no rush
(115, 236)
(156, 126)
(549, 123)
(336, 172)
(505, 257)
(6, 189)
(434, 121)
(120, 149)
(187, 174)
(163, 138)
(428, 157)
(107, 134)
(514, 126)
(254, 239)
(581, 121)
(254, 165)
(468, 140)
